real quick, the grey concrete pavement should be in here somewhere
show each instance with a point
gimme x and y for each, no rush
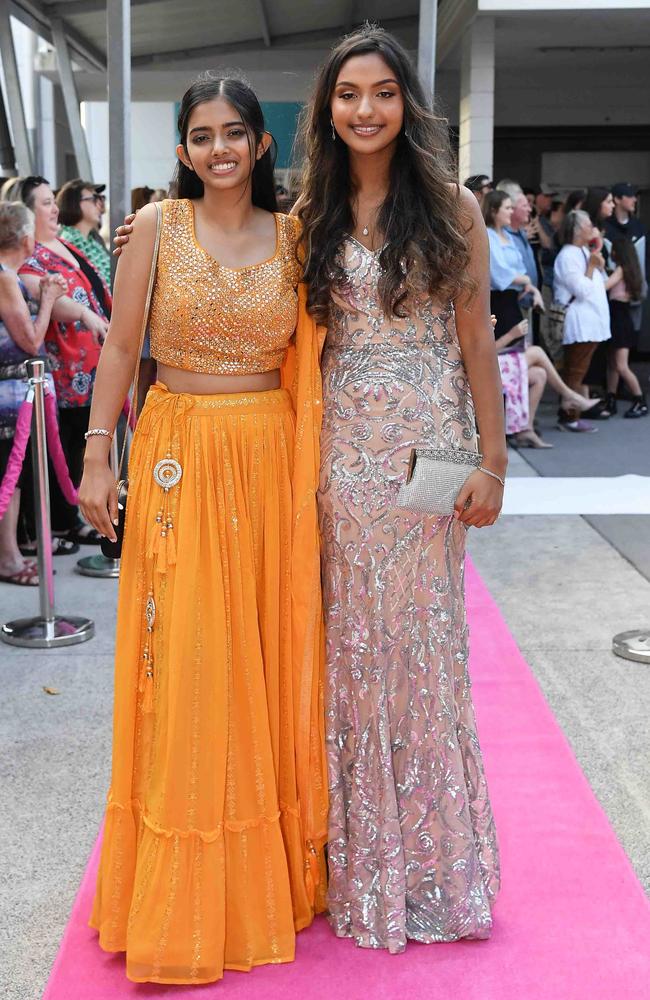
(618, 447)
(562, 587)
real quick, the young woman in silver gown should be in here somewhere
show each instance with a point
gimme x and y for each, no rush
(397, 267)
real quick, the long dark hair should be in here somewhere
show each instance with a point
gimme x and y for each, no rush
(594, 198)
(625, 255)
(207, 87)
(69, 201)
(420, 219)
(574, 200)
(491, 205)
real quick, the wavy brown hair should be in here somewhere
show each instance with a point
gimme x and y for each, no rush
(421, 218)
(625, 255)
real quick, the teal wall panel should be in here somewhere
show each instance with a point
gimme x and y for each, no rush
(281, 118)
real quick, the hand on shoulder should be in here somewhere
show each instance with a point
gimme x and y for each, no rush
(143, 231)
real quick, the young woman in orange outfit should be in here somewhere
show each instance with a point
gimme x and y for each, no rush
(216, 820)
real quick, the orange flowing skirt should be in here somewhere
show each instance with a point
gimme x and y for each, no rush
(204, 864)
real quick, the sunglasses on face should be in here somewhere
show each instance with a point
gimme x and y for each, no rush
(91, 197)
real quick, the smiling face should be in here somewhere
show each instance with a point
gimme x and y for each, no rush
(367, 106)
(218, 147)
(46, 213)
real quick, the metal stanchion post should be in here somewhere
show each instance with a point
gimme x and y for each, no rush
(99, 565)
(48, 629)
(633, 645)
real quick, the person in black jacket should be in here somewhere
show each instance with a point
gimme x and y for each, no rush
(624, 222)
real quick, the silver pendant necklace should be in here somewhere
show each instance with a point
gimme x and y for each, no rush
(365, 230)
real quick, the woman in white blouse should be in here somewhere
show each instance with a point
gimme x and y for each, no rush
(580, 283)
(525, 369)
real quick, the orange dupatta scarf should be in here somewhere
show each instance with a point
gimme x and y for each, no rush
(301, 376)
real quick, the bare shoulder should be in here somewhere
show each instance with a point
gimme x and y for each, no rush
(144, 233)
(472, 217)
(145, 219)
(469, 205)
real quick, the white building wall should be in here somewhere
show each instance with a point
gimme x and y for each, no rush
(600, 93)
(476, 114)
(153, 141)
(573, 169)
(47, 145)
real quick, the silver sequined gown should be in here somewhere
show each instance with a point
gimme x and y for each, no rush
(412, 844)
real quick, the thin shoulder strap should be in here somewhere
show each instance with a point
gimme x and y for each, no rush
(133, 396)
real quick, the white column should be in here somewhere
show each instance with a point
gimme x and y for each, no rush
(427, 45)
(118, 23)
(71, 100)
(47, 128)
(476, 139)
(16, 108)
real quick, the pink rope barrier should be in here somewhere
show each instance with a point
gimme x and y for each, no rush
(56, 451)
(19, 449)
(17, 455)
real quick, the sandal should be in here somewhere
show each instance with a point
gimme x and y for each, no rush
(84, 534)
(25, 577)
(60, 547)
(529, 439)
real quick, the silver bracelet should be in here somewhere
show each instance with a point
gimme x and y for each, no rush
(98, 432)
(493, 474)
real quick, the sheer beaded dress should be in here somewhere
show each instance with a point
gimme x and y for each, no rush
(412, 844)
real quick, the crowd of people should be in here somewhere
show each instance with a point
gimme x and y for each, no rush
(568, 279)
(55, 303)
(289, 622)
(56, 268)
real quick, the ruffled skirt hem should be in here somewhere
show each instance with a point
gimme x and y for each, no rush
(206, 879)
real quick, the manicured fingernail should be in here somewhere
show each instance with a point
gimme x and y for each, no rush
(115, 521)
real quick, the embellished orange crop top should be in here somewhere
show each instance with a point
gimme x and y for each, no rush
(209, 318)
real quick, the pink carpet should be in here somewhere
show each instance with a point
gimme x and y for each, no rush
(571, 923)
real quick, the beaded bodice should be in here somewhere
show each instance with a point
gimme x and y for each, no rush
(206, 317)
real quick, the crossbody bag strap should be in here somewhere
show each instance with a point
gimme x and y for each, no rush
(133, 396)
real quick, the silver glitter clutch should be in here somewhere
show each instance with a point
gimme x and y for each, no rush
(434, 479)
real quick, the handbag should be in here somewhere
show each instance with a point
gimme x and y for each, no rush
(113, 550)
(556, 316)
(434, 479)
